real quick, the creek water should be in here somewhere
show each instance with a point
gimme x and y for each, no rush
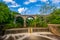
(35, 38)
(26, 37)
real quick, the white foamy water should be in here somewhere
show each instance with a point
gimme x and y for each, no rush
(22, 36)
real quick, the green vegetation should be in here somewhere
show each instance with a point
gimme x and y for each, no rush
(4, 14)
(38, 22)
(6, 17)
(58, 28)
(8, 20)
(54, 17)
(20, 22)
(30, 22)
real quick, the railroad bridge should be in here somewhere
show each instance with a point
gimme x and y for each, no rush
(25, 17)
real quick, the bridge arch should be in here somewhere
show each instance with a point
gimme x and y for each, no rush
(24, 17)
(20, 21)
(29, 21)
(30, 17)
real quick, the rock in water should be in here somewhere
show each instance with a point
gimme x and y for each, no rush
(11, 38)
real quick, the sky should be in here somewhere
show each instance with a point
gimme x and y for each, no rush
(29, 7)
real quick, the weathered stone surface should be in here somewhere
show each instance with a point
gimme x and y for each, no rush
(54, 29)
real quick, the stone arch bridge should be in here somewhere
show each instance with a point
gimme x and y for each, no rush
(25, 17)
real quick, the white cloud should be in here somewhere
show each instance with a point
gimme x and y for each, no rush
(14, 4)
(46, 1)
(30, 1)
(55, 1)
(26, 2)
(7, 1)
(58, 7)
(43, 0)
(20, 10)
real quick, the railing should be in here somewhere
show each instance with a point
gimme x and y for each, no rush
(26, 30)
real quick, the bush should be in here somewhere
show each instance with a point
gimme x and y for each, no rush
(11, 25)
(42, 24)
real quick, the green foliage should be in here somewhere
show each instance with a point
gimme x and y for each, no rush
(54, 17)
(7, 17)
(20, 21)
(4, 13)
(30, 22)
(10, 25)
(40, 21)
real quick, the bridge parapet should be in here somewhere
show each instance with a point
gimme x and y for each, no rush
(54, 28)
(26, 30)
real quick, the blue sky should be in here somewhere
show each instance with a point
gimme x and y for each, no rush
(29, 7)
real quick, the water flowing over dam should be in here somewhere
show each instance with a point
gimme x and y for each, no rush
(30, 34)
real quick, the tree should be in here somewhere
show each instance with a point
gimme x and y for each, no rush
(37, 22)
(4, 13)
(40, 21)
(6, 17)
(12, 21)
(45, 10)
(30, 22)
(54, 17)
(20, 21)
